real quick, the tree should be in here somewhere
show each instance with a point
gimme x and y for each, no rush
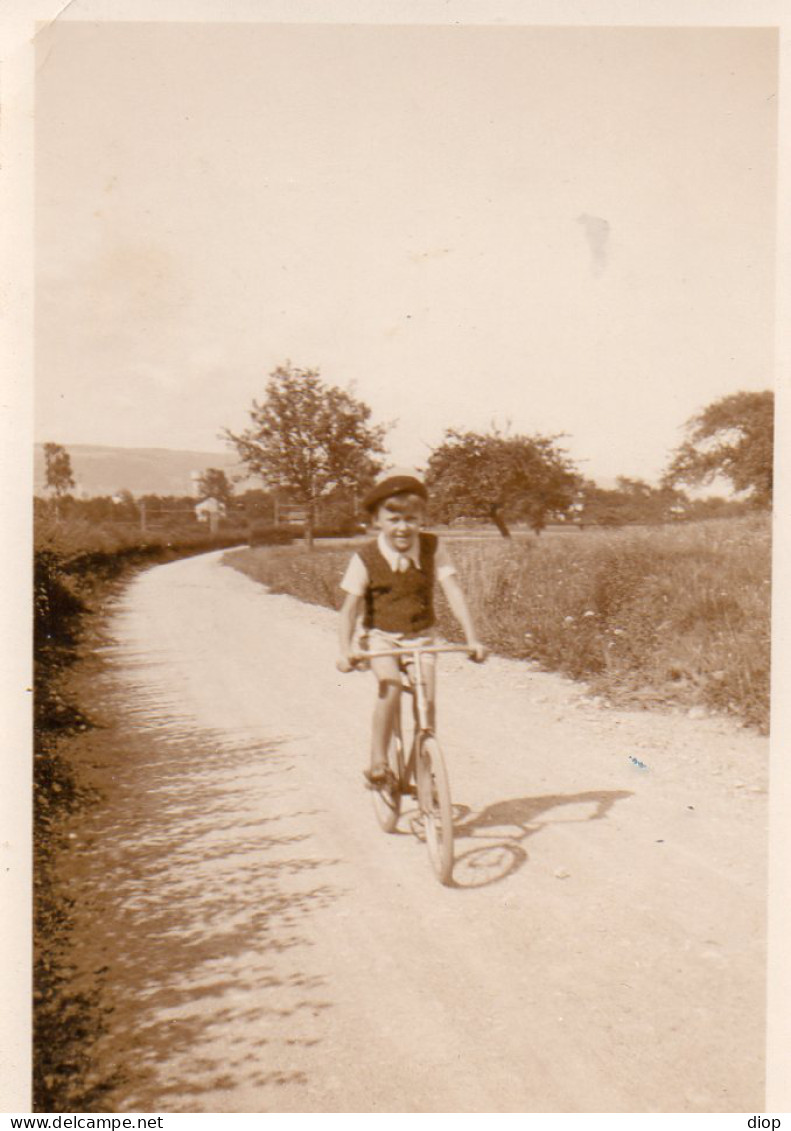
(214, 484)
(60, 479)
(258, 504)
(732, 437)
(500, 477)
(632, 501)
(125, 507)
(310, 438)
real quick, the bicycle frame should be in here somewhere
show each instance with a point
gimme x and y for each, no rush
(425, 764)
(411, 656)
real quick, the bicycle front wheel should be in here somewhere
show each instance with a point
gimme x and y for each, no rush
(436, 809)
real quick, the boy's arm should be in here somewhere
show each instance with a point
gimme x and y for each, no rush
(354, 583)
(350, 610)
(461, 610)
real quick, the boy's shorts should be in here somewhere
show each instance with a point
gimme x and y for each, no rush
(377, 640)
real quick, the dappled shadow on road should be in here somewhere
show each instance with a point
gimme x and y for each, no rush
(505, 824)
(194, 883)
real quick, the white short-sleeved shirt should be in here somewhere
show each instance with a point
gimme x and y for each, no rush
(355, 580)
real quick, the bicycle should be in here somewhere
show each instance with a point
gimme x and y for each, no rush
(425, 764)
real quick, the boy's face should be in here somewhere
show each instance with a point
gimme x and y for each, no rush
(400, 518)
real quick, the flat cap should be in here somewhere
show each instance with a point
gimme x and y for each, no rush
(394, 485)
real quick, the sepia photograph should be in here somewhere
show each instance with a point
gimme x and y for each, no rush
(403, 474)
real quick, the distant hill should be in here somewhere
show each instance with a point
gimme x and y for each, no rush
(143, 471)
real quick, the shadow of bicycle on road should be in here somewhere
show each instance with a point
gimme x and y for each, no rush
(504, 825)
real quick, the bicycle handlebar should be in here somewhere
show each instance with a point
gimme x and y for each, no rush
(421, 648)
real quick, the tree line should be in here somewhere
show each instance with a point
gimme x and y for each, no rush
(315, 445)
(317, 440)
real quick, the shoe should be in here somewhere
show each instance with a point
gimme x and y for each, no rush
(377, 777)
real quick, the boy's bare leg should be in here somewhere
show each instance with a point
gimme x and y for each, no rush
(388, 677)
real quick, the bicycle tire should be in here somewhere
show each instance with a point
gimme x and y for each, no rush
(435, 805)
(387, 799)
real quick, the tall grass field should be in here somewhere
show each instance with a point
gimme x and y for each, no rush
(656, 615)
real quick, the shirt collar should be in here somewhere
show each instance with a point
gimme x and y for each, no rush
(391, 556)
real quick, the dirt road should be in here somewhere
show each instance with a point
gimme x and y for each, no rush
(262, 946)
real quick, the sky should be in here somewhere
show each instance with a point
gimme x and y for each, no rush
(557, 230)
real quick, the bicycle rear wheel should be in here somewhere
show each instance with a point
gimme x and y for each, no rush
(387, 799)
(433, 791)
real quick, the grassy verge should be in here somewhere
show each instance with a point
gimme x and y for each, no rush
(660, 615)
(76, 564)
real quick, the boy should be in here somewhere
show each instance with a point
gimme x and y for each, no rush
(391, 582)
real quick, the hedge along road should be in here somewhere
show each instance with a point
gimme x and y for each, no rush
(263, 946)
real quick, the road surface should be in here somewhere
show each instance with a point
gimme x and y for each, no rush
(261, 946)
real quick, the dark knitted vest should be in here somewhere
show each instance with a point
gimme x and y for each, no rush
(400, 602)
